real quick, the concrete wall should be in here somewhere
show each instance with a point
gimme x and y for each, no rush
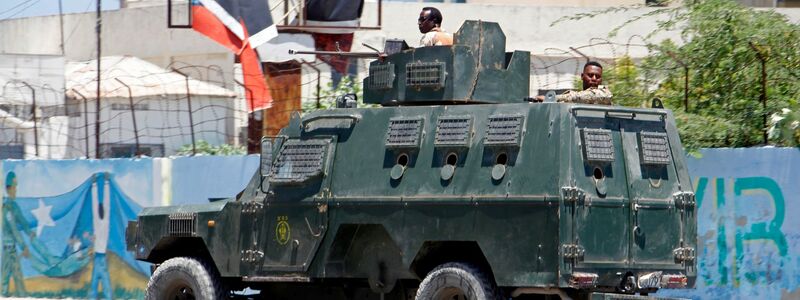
(140, 32)
(62, 239)
(143, 32)
(747, 203)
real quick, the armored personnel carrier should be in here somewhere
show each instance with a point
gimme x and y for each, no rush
(457, 187)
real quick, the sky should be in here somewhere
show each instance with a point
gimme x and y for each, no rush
(30, 8)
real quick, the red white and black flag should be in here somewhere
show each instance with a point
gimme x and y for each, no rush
(231, 23)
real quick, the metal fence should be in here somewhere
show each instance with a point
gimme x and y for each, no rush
(163, 124)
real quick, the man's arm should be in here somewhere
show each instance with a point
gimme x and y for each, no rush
(10, 214)
(601, 95)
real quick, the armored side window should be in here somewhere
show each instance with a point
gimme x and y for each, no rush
(504, 130)
(654, 148)
(453, 131)
(404, 133)
(425, 74)
(597, 144)
(299, 160)
(381, 77)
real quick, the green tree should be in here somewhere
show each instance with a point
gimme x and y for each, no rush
(723, 45)
(204, 148)
(327, 97)
(624, 81)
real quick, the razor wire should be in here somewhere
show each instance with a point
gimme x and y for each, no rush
(165, 124)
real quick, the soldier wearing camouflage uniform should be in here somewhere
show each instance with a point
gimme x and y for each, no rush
(593, 92)
(12, 218)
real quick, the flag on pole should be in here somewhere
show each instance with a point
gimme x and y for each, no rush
(229, 22)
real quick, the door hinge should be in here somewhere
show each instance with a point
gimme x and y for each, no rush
(252, 255)
(684, 254)
(573, 252)
(573, 195)
(684, 200)
(252, 207)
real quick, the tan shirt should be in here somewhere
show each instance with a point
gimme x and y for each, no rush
(598, 95)
(436, 37)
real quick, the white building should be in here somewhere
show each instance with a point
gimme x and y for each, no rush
(159, 99)
(29, 82)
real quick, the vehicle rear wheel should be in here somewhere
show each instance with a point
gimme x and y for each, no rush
(456, 281)
(184, 278)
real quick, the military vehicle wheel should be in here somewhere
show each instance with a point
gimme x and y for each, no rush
(456, 281)
(184, 278)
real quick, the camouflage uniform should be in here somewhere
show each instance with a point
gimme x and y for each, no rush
(12, 219)
(598, 95)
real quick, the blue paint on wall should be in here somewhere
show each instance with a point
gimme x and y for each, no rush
(748, 208)
(196, 179)
(748, 229)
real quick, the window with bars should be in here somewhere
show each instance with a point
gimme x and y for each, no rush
(504, 130)
(453, 131)
(299, 160)
(381, 77)
(425, 74)
(404, 133)
(654, 148)
(597, 144)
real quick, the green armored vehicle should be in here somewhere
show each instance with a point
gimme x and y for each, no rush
(456, 188)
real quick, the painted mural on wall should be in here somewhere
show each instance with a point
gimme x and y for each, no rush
(66, 237)
(749, 237)
(63, 226)
(748, 229)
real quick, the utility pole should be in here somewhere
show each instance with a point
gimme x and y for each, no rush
(97, 106)
(763, 97)
(61, 24)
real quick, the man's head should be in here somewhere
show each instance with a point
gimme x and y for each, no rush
(592, 75)
(429, 18)
(11, 185)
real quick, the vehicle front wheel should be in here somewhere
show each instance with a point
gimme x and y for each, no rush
(456, 281)
(184, 278)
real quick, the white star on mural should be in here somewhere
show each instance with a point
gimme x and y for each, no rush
(43, 218)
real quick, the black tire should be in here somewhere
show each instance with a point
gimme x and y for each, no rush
(185, 278)
(456, 281)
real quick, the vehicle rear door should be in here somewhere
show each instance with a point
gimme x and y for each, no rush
(600, 205)
(658, 220)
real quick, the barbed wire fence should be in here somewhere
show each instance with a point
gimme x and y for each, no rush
(135, 122)
(559, 69)
(139, 115)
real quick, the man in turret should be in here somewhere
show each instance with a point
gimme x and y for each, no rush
(593, 92)
(430, 24)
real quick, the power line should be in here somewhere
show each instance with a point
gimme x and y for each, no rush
(85, 10)
(15, 6)
(23, 9)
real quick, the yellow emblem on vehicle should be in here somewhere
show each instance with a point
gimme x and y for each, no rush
(282, 230)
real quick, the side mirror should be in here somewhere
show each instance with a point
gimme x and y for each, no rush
(266, 162)
(347, 101)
